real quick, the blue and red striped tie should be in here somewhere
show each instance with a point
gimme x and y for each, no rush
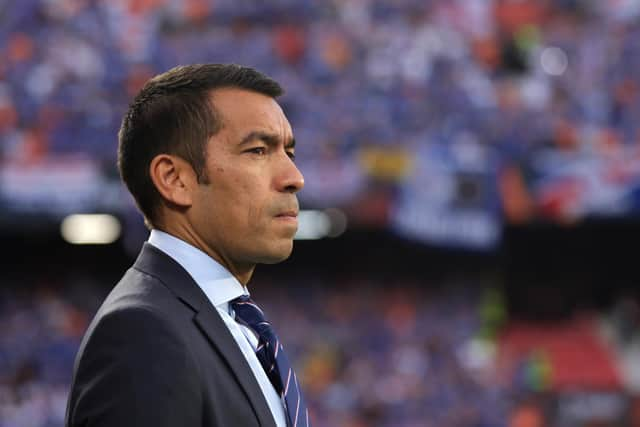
(274, 361)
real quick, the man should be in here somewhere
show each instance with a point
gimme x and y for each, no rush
(207, 153)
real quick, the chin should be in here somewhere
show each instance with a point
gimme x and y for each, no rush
(277, 254)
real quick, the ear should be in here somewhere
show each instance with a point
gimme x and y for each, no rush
(174, 178)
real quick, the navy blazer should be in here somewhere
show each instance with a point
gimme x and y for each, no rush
(158, 354)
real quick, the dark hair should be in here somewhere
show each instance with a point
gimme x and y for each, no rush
(173, 114)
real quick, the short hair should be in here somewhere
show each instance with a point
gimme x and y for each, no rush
(173, 114)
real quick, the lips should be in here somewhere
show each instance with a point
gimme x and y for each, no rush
(288, 214)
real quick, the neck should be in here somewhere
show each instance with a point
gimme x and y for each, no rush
(241, 271)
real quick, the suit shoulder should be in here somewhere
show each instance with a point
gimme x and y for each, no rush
(137, 289)
(139, 311)
(136, 327)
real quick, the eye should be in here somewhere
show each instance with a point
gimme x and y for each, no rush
(258, 150)
(291, 155)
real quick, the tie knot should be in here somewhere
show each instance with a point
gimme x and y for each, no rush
(249, 312)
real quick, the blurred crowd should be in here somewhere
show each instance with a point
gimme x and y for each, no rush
(40, 333)
(543, 94)
(377, 353)
(369, 353)
(383, 352)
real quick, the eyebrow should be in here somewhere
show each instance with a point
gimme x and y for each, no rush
(266, 137)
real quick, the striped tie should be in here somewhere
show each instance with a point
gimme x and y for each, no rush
(274, 361)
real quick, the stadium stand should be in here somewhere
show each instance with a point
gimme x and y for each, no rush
(529, 106)
(508, 111)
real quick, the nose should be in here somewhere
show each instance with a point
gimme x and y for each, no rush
(290, 178)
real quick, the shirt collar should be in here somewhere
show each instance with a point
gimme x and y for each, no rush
(218, 284)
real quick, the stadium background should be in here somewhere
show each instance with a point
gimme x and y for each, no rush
(475, 164)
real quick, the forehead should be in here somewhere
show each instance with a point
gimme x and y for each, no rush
(243, 110)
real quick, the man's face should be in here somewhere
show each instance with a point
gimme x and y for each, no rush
(247, 213)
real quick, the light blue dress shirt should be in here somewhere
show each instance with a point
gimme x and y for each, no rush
(220, 287)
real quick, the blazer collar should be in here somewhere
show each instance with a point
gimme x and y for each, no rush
(160, 265)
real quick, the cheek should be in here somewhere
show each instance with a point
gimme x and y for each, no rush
(251, 200)
(245, 195)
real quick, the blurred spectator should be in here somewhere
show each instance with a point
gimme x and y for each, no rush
(626, 319)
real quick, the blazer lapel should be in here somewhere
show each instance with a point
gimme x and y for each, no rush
(214, 328)
(166, 269)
